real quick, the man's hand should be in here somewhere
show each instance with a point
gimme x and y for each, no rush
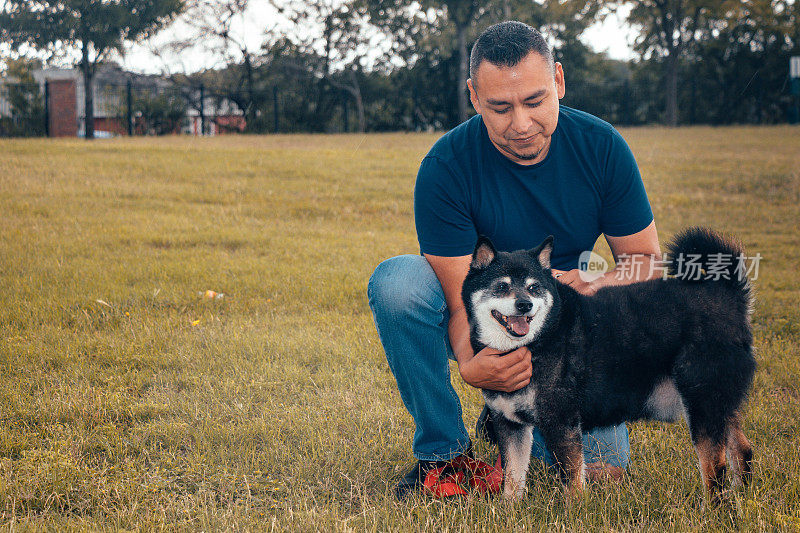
(574, 280)
(489, 369)
(636, 257)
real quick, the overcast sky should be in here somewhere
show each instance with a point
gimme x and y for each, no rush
(612, 36)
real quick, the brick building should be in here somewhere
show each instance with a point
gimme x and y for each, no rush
(66, 115)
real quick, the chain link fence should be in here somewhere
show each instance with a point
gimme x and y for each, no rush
(155, 106)
(127, 108)
(161, 109)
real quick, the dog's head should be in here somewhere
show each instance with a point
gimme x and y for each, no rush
(509, 296)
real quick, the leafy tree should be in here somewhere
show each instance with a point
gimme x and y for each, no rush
(668, 29)
(740, 67)
(734, 57)
(96, 28)
(291, 70)
(157, 114)
(444, 30)
(25, 102)
(335, 32)
(220, 24)
(462, 14)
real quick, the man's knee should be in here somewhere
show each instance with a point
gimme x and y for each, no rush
(403, 283)
(610, 445)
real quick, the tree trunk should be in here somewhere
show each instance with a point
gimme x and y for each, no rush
(463, 71)
(249, 111)
(356, 92)
(362, 119)
(672, 89)
(88, 94)
(319, 108)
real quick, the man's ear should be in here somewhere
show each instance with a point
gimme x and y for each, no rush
(558, 75)
(542, 252)
(484, 253)
(473, 96)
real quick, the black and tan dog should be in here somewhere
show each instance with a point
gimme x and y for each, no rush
(660, 349)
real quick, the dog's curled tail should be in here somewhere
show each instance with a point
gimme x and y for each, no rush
(699, 254)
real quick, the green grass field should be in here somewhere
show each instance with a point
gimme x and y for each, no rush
(128, 400)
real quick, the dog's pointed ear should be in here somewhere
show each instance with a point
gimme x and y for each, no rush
(484, 253)
(542, 252)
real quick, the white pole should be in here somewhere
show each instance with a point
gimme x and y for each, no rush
(794, 67)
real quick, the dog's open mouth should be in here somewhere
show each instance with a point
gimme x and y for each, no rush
(516, 325)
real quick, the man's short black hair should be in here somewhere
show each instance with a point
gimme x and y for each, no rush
(506, 44)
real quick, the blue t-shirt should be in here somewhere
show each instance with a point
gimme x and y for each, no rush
(587, 185)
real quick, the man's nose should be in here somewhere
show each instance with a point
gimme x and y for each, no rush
(520, 121)
(523, 306)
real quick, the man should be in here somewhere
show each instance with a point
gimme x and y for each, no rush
(523, 168)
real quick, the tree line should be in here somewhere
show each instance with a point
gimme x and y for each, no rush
(377, 65)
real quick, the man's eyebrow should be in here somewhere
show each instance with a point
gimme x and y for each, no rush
(538, 94)
(534, 96)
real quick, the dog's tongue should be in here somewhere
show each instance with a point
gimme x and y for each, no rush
(519, 324)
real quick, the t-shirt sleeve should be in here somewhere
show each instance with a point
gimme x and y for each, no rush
(626, 209)
(441, 212)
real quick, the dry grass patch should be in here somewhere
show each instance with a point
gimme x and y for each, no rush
(127, 400)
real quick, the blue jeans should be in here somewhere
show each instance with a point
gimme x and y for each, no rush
(411, 316)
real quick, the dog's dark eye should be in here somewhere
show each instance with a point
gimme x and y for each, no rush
(502, 287)
(531, 287)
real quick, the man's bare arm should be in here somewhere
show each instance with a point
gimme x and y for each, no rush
(483, 370)
(641, 248)
(451, 272)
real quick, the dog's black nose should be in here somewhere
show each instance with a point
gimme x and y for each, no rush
(523, 306)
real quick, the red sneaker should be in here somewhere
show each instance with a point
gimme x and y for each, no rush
(444, 482)
(483, 477)
(434, 478)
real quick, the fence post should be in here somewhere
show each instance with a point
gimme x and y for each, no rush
(627, 96)
(275, 107)
(794, 87)
(202, 109)
(47, 108)
(346, 116)
(130, 107)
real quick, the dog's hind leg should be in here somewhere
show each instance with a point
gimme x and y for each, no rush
(712, 380)
(740, 452)
(711, 457)
(707, 426)
(515, 442)
(567, 447)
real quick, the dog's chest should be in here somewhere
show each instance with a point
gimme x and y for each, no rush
(519, 407)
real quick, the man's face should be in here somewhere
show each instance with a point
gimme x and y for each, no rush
(519, 106)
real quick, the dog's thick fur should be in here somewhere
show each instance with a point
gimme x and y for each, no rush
(660, 349)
